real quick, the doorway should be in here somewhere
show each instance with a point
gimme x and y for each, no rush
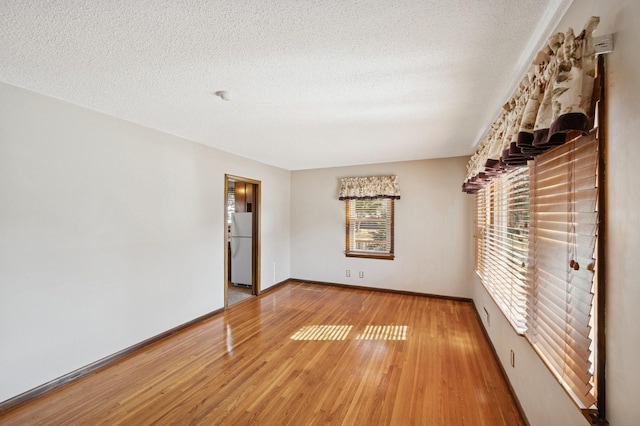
(242, 239)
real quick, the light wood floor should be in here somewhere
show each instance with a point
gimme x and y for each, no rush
(243, 367)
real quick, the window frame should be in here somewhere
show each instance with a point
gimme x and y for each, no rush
(390, 255)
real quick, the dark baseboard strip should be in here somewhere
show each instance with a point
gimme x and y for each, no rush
(504, 372)
(273, 287)
(95, 366)
(385, 290)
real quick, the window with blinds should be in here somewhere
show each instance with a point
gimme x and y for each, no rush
(502, 243)
(564, 224)
(559, 266)
(536, 254)
(231, 203)
(369, 228)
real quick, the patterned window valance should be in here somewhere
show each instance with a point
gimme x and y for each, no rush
(553, 99)
(370, 187)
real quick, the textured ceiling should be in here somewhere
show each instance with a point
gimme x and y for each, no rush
(314, 83)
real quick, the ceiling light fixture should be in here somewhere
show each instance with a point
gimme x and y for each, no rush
(223, 94)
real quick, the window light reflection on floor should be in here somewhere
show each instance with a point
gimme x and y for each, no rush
(322, 332)
(383, 332)
(341, 332)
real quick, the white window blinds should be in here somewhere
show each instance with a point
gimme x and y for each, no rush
(370, 227)
(564, 225)
(369, 202)
(502, 220)
(231, 203)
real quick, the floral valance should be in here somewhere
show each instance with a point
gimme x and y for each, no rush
(369, 187)
(553, 99)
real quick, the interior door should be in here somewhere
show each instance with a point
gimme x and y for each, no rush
(238, 250)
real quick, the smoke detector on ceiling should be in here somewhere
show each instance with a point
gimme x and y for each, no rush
(223, 94)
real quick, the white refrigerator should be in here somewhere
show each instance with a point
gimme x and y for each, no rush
(241, 248)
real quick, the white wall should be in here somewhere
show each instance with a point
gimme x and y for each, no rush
(110, 233)
(545, 403)
(543, 400)
(432, 222)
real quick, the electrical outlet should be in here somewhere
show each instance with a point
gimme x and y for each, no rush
(513, 359)
(361, 274)
(348, 272)
(486, 316)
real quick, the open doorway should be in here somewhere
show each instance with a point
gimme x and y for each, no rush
(242, 234)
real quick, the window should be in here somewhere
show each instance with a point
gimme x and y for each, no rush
(502, 243)
(231, 203)
(536, 233)
(564, 227)
(552, 127)
(369, 226)
(369, 205)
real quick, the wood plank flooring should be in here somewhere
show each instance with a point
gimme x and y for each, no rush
(242, 367)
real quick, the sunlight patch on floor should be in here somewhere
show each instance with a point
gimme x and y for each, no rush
(322, 332)
(383, 332)
(341, 332)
